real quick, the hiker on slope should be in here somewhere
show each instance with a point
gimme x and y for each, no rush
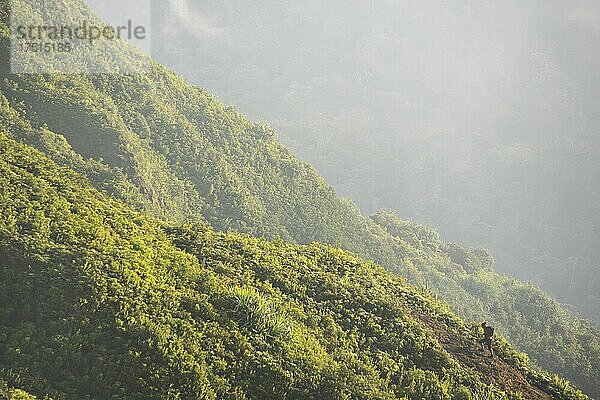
(488, 336)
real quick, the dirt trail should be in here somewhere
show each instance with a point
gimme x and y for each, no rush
(491, 370)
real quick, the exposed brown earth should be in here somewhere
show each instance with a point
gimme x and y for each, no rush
(492, 370)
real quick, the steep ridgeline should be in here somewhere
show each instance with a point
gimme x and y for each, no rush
(175, 151)
(505, 155)
(114, 305)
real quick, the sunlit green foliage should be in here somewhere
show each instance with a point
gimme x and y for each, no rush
(14, 394)
(175, 151)
(551, 336)
(113, 304)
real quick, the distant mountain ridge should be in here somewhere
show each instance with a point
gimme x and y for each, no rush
(477, 118)
(176, 152)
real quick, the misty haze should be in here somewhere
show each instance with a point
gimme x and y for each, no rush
(480, 119)
(320, 199)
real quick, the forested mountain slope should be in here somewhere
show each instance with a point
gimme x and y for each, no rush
(115, 305)
(479, 118)
(175, 151)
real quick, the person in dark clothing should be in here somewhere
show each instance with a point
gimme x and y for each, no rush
(488, 336)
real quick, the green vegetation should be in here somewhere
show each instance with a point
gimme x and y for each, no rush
(487, 131)
(113, 304)
(13, 394)
(174, 151)
(550, 334)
